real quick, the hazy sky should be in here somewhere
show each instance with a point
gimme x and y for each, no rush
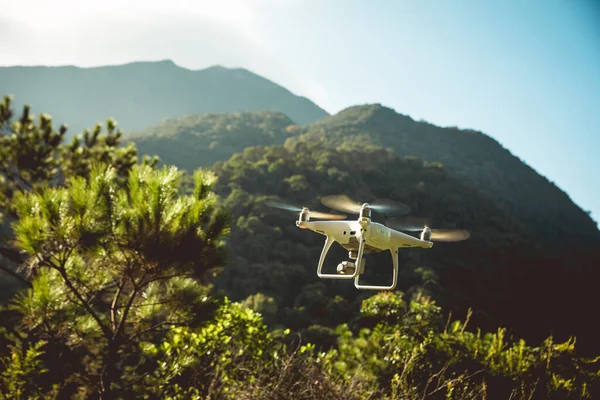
(526, 72)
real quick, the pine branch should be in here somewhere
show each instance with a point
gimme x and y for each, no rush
(158, 303)
(155, 326)
(130, 301)
(168, 277)
(63, 273)
(113, 306)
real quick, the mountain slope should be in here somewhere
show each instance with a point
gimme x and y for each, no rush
(475, 158)
(497, 273)
(301, 173)
(201, 140)
(140, 94)
(533, 252)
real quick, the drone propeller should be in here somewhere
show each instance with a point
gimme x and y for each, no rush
(343, 203)
(415, 224)
(313, 214)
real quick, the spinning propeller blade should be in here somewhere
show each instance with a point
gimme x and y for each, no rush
(283, 206)
(416, 224)
(343, 203)
(449, 235)
(312, 214)
(389, 207)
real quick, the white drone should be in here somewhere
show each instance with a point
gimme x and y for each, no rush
(364, 236)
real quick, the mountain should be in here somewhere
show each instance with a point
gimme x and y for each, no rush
(472, 156)
(533, 252)
(140, 94)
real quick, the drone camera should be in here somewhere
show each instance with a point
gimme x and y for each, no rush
(349, 267)
(346, 268)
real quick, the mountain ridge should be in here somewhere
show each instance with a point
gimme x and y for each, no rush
(139, 94)
(478, 157)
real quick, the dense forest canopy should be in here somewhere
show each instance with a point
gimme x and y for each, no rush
(201, 140)
(140, 94)
(144, 281)
(492, 273)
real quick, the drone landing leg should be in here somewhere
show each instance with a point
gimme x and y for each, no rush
(394, 253)
(328, 242)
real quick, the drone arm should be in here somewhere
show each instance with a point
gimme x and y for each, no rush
(328, 242)
(394, 253)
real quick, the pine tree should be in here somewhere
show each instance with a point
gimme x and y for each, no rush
(115, 263)
(34, 155)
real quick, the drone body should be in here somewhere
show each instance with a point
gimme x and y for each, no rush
(364, 236)
(359, 237)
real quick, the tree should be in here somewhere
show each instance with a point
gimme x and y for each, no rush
(115, 263)
(33, 155)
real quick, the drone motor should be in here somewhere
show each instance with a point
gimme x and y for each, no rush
(426, 233)
(304, 215)
(365, 212)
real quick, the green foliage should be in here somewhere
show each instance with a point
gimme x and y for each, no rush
(28, 152)
(264, 305)
(234, 357)
(197, 141)
(116, 262)
(33, 156)
(82, 152)
(386, 306)
(409, 356)
(22, 369)
(211, 355)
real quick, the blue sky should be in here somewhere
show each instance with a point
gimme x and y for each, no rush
(526, 72)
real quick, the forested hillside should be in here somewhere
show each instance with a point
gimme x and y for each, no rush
(499, 272)
(144, 282)
(201, 140)
(476, 159)
(504, 285)
(272, 256)
(473, 157)
(140, 94)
